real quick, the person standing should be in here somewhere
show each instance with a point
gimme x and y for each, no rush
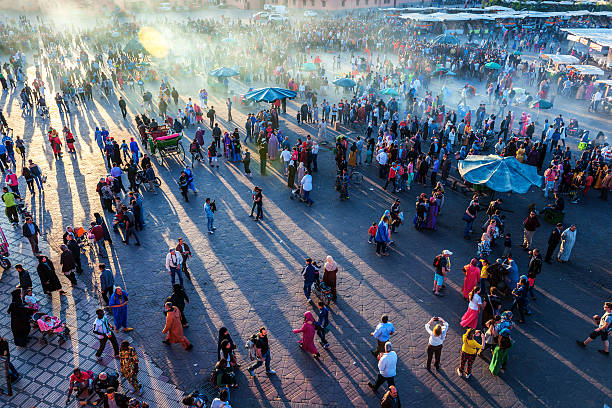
(123, 107)
(263, 154)
(309, 273)
(470, 317)
(468, 352)
(107, 282)
(553, 241)
(229, 110)
(535, 267)
(471, 277)
(210, 215)
(568, 239)
(387, 366)
(330, 270)
(75, 249)
(262, 352)
(20, 318)
(382, 237)
(211, 116)
(178, 299)
(31, 231)
(25, 280)
(530, 225)
(382, 333)
(306, 183)
(174, 260)
(48, 278)
(391, 399)
(501, 351)
(470, 216)
(128, 360)
(173, 328)
(603, 330)
(258, 202)
(97, 232)
(436, 339)
(104, 330)
(118, 305)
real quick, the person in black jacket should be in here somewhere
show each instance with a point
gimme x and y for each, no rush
(74, 247)
(25, 281)
(553, 241)
(111, 395)
(20, 319)
(31, 231)
(178, 299)
(535, 267)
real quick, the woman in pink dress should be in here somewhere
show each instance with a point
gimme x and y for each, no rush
(472, 277)
(470, 317)
(308, 332)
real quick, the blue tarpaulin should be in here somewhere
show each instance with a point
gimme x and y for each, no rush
(499, 173)
(223, 72)
(345, 82)
(269, 94)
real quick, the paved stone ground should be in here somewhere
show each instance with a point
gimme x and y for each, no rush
(247, 275)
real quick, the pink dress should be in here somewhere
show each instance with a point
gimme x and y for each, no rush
(308, 333)
(470, 317)
(472, 276)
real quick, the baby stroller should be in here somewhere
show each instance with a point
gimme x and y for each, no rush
(50, 326)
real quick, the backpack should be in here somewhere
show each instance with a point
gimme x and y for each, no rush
(437, 261)
(250, 345)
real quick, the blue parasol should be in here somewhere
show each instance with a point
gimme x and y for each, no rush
(499, 173)
(269, 94)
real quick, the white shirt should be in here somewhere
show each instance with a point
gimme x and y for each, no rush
(102, 326)
(217, 403)
(436, 340)
(307, 182)
(174, 260)
(286, 155)
(475, 302)
(382, 157)
(387, 364)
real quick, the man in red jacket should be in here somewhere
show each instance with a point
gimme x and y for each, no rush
(530, 225)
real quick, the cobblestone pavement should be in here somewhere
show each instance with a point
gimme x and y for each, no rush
(247, 275)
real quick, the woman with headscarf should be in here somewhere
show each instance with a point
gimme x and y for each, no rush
(20, 319)
(330, 269)
(291, 175)
(308, 332)
(501, 351)
(48, 279)
(118, 305)
(68, 264)
(470, 317)
(301, 170)
(223, 350)
(273, 147)
(471, 274)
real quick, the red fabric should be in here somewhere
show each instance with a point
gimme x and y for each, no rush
(308, 333)
(470, 318)
(472, 276)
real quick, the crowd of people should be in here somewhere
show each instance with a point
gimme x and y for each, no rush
(412, 137)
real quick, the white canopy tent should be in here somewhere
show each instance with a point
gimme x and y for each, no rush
(587, 69)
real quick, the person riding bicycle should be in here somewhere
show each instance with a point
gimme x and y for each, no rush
(196, 151)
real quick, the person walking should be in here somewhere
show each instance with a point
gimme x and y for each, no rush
(229, 110)
(310, 275)
(122, 106)
(520, 298)
(468, 351)
(387, 366)
(48, 278)
(97, 232)
(258, 202)
(118, 305)
(535, 267)
(603, 330)
(382, 236)
(20, 318)
(185, 252)
(68, 264)
(75, 249)
(107, 282)
(442, 265)
(262, 352)
(391, 399)
(471, 277)
(553, 241)
(173, 328)
(382, 333)
(308, 332)
(210, 215)
(25, 280)
(128, 362)
(10, 205)
(306, 183)
(322, 324)
(330, 270)
(104, 330)
(436, 339)
(31, 231)
(178, 298)
(174, 260)
(530, 225)
(470, 216)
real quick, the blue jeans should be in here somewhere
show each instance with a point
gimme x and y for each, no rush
(258, 363)
(101, 249)
(468, 227)
(307, 197)
(307, 288)
(176, 271)
(209, 223)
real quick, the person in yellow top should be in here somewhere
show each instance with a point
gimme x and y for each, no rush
(468, 351)
(520, 154)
